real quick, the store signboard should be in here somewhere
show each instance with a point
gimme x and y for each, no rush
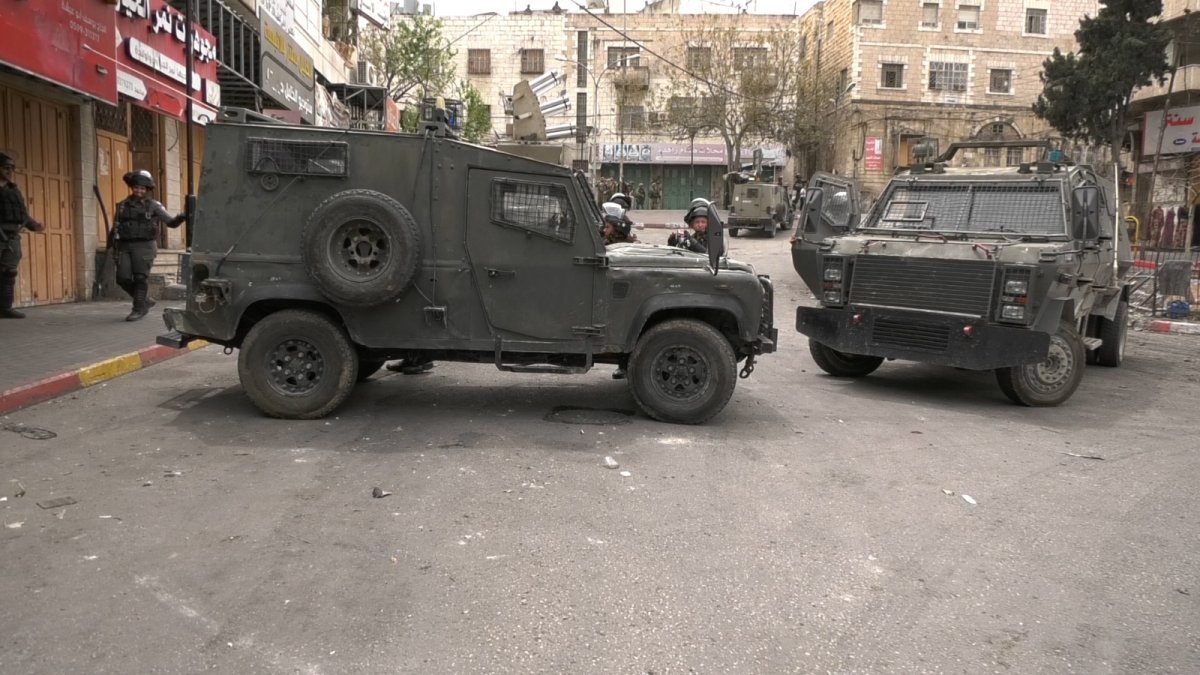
(873, 153)
(68, 43)
(152, 61)
(663, 153)
(1180, 135)
(287, 70)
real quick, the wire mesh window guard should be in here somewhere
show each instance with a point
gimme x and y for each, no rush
(534, 207)
(297, 158)
(113, 118)
(1021, 208)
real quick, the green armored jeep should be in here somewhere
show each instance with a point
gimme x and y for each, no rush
(322, 253)
(1020, 270)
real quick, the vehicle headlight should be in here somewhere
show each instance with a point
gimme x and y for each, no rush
(1012, 312)
(1016, 287)
(833, 297)
(833, 273)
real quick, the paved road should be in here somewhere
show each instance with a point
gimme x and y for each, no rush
(806, 529)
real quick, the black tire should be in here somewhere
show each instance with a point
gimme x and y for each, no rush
(368, 367)
(840, 364)
(1052, 381)
(771, 229)
(733, 232)
(682, 371)
(361, 248)
(1112, 351)
(297, 364)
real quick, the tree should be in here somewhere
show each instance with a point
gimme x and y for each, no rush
(739, 82)
(1086, 95)
(413, 57)
(805, 119)
(478, 125)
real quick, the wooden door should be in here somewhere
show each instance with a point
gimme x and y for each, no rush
(39, 133)
(113, 161)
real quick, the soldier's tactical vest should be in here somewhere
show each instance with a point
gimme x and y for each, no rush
(135, 221)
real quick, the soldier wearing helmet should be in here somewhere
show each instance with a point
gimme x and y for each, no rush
(697, 218)
(14, 216)
(623, 199)
(617, 227)
(136, 235)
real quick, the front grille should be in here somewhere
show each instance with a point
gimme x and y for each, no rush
(959, 286)
(918, 335)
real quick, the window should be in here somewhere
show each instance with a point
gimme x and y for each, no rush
(870, 12)
(581, 58)
(929, 15)
(1035, 21)
(804, 46)
(699, 58)
(533, 61)
(633, 117)
(623, 56)
(745, 58)
(1000, 81)
(829, 31)
(991, 156)
(968, 17)
(581, 115)
(479, 62)
(1015, 156)
(843, 81)
(534, 207)
(296, 158)
(947, 76)
(892, 76)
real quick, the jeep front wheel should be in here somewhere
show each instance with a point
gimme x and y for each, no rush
(297, 364)
(1052, 381)
(840, 364)
(682, 371)
(1111, 351)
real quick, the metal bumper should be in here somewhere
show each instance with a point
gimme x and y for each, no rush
(750, 223)
(927, 337)
(768, 333)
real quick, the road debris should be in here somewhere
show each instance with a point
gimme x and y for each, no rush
(969, 499)
(57, 502)
(948, 493)
(20, 490)
(1076, 454)
(32, 433)
(13, 526)
(626, 474)
(172, 474)
(610, 463)
(379, 493)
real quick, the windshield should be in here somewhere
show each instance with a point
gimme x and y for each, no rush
(1026, 208)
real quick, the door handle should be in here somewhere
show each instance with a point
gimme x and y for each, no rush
(493, 272)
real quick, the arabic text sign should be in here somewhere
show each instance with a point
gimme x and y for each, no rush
(873, 154)
(1182, 133)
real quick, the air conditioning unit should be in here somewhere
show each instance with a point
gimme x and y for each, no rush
(367, 73)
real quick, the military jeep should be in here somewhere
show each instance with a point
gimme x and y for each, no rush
(323, 253)
(759, 206)
(1020, 270)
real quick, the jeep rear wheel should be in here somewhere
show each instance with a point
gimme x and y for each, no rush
(297, 364)
(840, 364)
(1052, 381)
(361, 248)
(682, 371)
(1112, 351)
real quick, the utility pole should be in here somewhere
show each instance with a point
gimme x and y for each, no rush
(621, 101)
(189, 204)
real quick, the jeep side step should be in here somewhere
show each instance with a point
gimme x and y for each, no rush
(1092, 343)
(540, 368)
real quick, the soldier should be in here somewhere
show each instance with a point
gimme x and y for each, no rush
(621, 199)
(640, 194)
(656, 194)
(617, 228)
(696, 218)
(136, 225)
(13, 217)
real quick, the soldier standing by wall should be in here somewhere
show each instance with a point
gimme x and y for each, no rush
(656, 193)
(14, 216)
(137, 220)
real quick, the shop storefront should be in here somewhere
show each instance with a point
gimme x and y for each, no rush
(681, 171)
(55, 57)
(1175, 202)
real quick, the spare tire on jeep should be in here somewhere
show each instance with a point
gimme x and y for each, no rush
(361, 248)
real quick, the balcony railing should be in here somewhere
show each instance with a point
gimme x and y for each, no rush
(1187, 79)
(632, 77)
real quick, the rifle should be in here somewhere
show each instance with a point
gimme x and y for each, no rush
(102, 269)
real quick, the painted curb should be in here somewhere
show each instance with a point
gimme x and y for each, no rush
(1179, 327)
(88, 376)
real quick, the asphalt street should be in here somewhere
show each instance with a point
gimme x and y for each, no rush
(816, 525)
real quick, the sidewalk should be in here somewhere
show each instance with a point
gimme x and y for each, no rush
(58, 349)
(657, 219)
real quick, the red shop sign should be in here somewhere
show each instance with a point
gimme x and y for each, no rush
(70, 43)
(152, 59)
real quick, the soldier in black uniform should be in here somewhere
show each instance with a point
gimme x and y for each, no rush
(13, 217)
(696, 218)
(137, 220)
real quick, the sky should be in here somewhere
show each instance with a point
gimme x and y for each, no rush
(468, 7)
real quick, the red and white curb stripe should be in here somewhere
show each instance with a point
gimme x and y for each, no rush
(1162, 326)
(87, 376)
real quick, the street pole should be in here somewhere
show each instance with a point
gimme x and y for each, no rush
(621, 106)
(596, 128)
(189, 205)
(692, 169)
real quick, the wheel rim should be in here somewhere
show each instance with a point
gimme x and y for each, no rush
(296, 367)
(360, 249)
(680, 373)
(1055, 372)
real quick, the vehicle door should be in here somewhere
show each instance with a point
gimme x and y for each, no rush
(534, 255)
(831, 208)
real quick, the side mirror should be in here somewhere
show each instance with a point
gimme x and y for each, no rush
(1085, 213)
(813, 205)
(716, 238)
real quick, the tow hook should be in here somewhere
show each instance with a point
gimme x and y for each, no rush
(748, 368)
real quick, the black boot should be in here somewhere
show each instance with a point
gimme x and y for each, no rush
(139, 303)
(8, 289)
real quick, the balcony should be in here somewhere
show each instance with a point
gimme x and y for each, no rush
(1187, 80)
(632, 77)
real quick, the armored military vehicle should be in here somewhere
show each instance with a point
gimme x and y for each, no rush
(1019, 270)
(322, 253)
(759, 206)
